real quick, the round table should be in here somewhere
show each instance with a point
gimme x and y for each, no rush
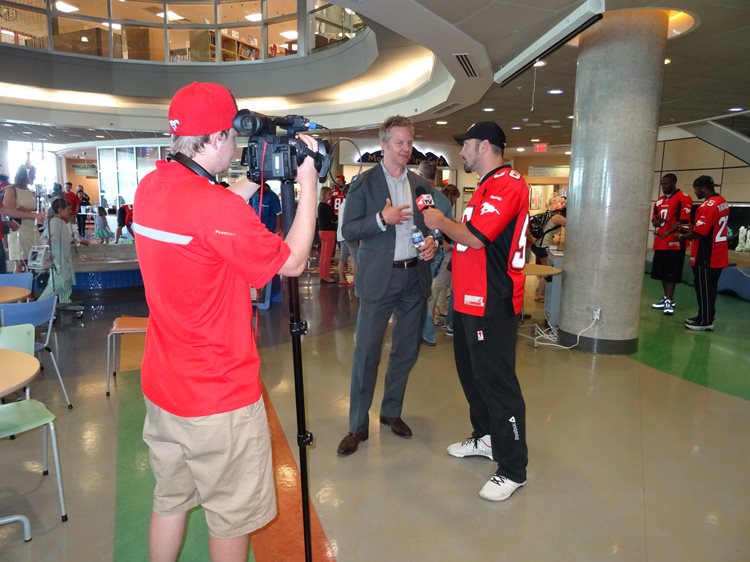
(13, 294)
(16, 370)
(539, 270)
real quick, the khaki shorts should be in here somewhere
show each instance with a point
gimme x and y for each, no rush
(221, 462)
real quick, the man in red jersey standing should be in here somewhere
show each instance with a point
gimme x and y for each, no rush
(206, 425)
(670, 211)
(489, 254)
(709, 250)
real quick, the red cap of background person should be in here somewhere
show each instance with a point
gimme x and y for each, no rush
(201, 108)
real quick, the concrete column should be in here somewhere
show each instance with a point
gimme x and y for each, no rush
(618, 91)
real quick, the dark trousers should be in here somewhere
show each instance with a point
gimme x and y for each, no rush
(485, 351)
(706, 281)
(81, 224)
(405, 301)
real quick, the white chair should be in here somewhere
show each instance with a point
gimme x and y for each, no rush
(22, 416)
(38, 313)
(121, 325)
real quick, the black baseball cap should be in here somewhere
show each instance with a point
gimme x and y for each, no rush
(704, 181)
(484, 130)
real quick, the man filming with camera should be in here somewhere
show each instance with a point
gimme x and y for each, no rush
(206, 425)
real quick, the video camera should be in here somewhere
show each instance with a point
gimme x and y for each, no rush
(277, 157)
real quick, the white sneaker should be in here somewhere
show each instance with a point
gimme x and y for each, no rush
(472, 447)
(660, 304)
(669, 307)
(499, 488)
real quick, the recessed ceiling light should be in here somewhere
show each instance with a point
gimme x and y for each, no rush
(736, 109)
(488, 109)
(25, 132)
(441, 122)
(100, 136)
(667, 61)
(534, 140)
(8, 32)
(63, 7)
(516, 128)
(166, 134)
(540, 63)
(84, 39)
(171, 16)
(555, 91)
(291, 35)
(567, 152)
(571, 116)
(254, 17)
(556, 126)
(551, 121)
(520, 149)
(7, 124)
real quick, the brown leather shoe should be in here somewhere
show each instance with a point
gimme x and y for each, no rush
(350, 442)
(398, 426)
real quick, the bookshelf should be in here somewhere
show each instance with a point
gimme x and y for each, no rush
(203, 47)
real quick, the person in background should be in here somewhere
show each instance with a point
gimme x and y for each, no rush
(488, 283)
(124, 220)
(59, 235)
(206, 425)
(270, 215)
(393, 279)
(428, 170)
(347, 248)
(327, 223)
(709, 250)
(19, 197)
(72, 198)
(453, 194)
(102, 233)
(670, 212)
(8, 215)
(540, 246)
(80, 217)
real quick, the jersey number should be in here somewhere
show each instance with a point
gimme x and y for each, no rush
(519, 256)
(721, 234)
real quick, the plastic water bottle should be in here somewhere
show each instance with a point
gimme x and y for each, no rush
(417, 238)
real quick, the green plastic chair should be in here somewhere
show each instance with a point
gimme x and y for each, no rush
(22, 416)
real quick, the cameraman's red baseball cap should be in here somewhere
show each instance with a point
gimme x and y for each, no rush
(201, 108)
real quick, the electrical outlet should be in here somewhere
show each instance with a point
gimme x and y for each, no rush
(597, 313)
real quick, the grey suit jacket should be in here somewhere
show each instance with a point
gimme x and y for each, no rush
(365, 199)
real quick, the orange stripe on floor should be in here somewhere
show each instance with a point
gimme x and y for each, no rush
(282, 539)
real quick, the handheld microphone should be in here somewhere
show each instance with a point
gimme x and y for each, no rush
(424, 201)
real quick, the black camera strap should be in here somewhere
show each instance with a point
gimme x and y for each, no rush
(192, 165)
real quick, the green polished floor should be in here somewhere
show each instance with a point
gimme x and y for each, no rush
(717, 360)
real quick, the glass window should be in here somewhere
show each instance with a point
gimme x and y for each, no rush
(143, 11)
(190, 13)
(179, 44)
(276, 8)
(282, 38)
(126, 158)
(139, 43)
(127, 185)
(82, 8)
(108, 186)
(107, 159)
(80, 37)
(239, 12)
(23, 27)
(146, 157)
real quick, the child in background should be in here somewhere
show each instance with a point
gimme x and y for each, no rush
(101, 228)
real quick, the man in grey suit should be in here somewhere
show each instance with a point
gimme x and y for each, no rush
(392, 278)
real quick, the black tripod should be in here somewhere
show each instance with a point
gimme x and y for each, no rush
(298, 328)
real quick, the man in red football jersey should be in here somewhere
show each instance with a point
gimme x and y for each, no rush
(709, 252)
(489, 254)
(670, 211)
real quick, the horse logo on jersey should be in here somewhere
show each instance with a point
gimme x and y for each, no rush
(488, 208)
(174, 123)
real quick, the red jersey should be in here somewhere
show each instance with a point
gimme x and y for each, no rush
(337, 196)
(497, 214)
(198, 262)
(75, 202)
(710, 247)
(671, 209)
